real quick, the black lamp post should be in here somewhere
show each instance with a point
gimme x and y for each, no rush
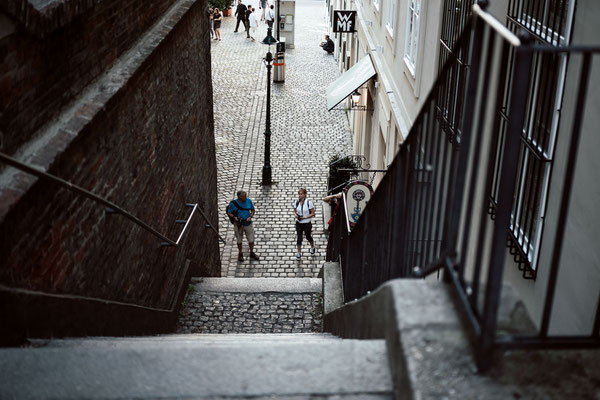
(269, 39)
(266, 171)
(278, 19)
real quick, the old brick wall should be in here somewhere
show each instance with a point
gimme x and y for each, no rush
(145, 142)
(40, 75)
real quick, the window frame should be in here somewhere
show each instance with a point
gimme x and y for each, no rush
(391, 17)
(412, 42)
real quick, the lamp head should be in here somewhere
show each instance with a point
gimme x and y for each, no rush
(355, 98)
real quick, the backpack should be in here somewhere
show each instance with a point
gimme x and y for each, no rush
(238, 206)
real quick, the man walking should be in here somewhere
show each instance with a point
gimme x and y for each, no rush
(247, 21)
(263, 6)
(270, 17)
(240, 12)
(253, 20)
(242, 211)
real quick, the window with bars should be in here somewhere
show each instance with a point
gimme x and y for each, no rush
(411, 46)
(450, 97)
(547, 21)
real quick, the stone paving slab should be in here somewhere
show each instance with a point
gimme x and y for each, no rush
(304, 137)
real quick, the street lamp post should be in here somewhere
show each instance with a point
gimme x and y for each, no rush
(266, 171)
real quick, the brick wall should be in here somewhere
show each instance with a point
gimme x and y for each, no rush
(146, 145)
(38, 76)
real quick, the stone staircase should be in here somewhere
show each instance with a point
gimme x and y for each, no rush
(199, 366)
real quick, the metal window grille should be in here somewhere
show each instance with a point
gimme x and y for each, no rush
(456, 15)
(546, 22)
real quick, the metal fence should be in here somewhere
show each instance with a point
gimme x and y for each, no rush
(431, 211)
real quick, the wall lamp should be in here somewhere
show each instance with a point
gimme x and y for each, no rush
(355, 102)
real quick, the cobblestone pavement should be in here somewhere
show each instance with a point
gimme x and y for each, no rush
(206, 312)
(304, 137)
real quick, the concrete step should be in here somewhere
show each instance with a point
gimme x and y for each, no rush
(272, 339)
(199, 367)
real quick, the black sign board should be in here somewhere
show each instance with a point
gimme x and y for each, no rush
(344, 21)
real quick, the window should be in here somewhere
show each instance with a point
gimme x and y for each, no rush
(411, 47)
(546, 20)
(391, 16)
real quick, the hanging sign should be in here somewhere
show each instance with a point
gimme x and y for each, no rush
(358, 194)
(344, 21)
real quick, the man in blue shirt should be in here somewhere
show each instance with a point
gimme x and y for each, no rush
(242, 211)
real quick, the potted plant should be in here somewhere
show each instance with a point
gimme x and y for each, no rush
(222, 5)
(338, 179)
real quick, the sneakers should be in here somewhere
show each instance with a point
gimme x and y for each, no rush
(240, 257)
(254, 256)
(298, 255)
(312, 251)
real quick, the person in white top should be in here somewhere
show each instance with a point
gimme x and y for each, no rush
(253, 23)
(304, 211)
(270, 16)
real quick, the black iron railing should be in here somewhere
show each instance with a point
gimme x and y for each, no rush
(430, 211)
(110, 207)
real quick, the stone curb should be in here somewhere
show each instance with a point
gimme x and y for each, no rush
(258, 285)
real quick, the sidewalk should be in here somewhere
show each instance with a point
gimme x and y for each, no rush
(304, 137)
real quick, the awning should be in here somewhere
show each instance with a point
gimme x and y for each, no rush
(349, 81)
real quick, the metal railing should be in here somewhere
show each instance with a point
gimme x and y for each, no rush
(430, 211)
(110, 206)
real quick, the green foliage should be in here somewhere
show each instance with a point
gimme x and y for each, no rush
(336, 177)
(220, 4)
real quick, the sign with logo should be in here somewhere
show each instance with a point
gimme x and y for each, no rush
(358, 194)
(344, 21)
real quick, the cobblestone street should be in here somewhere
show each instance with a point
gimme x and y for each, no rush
(252, 306)
(304, 137)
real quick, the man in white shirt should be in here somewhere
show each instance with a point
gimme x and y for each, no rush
(270, 17)
(253, 24)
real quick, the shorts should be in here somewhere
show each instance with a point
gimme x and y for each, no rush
(239, 232)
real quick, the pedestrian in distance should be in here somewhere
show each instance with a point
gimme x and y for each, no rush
(217, 18)
(247, 21)
(304, 211)
(241, 210)
(263, 7)
(270, 16)
(210, 22)
(240, 12)
(328, 45)
(253, 20)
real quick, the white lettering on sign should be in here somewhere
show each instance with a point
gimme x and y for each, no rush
(344, 22)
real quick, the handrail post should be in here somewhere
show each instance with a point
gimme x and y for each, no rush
(508, 177)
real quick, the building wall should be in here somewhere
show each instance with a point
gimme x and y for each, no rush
(579, 275)
(125, 111)
(399, 95)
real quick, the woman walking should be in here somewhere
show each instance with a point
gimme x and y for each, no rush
(304, 211)
(217, 17)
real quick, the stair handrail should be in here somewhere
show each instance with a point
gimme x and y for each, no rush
(110, 206)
